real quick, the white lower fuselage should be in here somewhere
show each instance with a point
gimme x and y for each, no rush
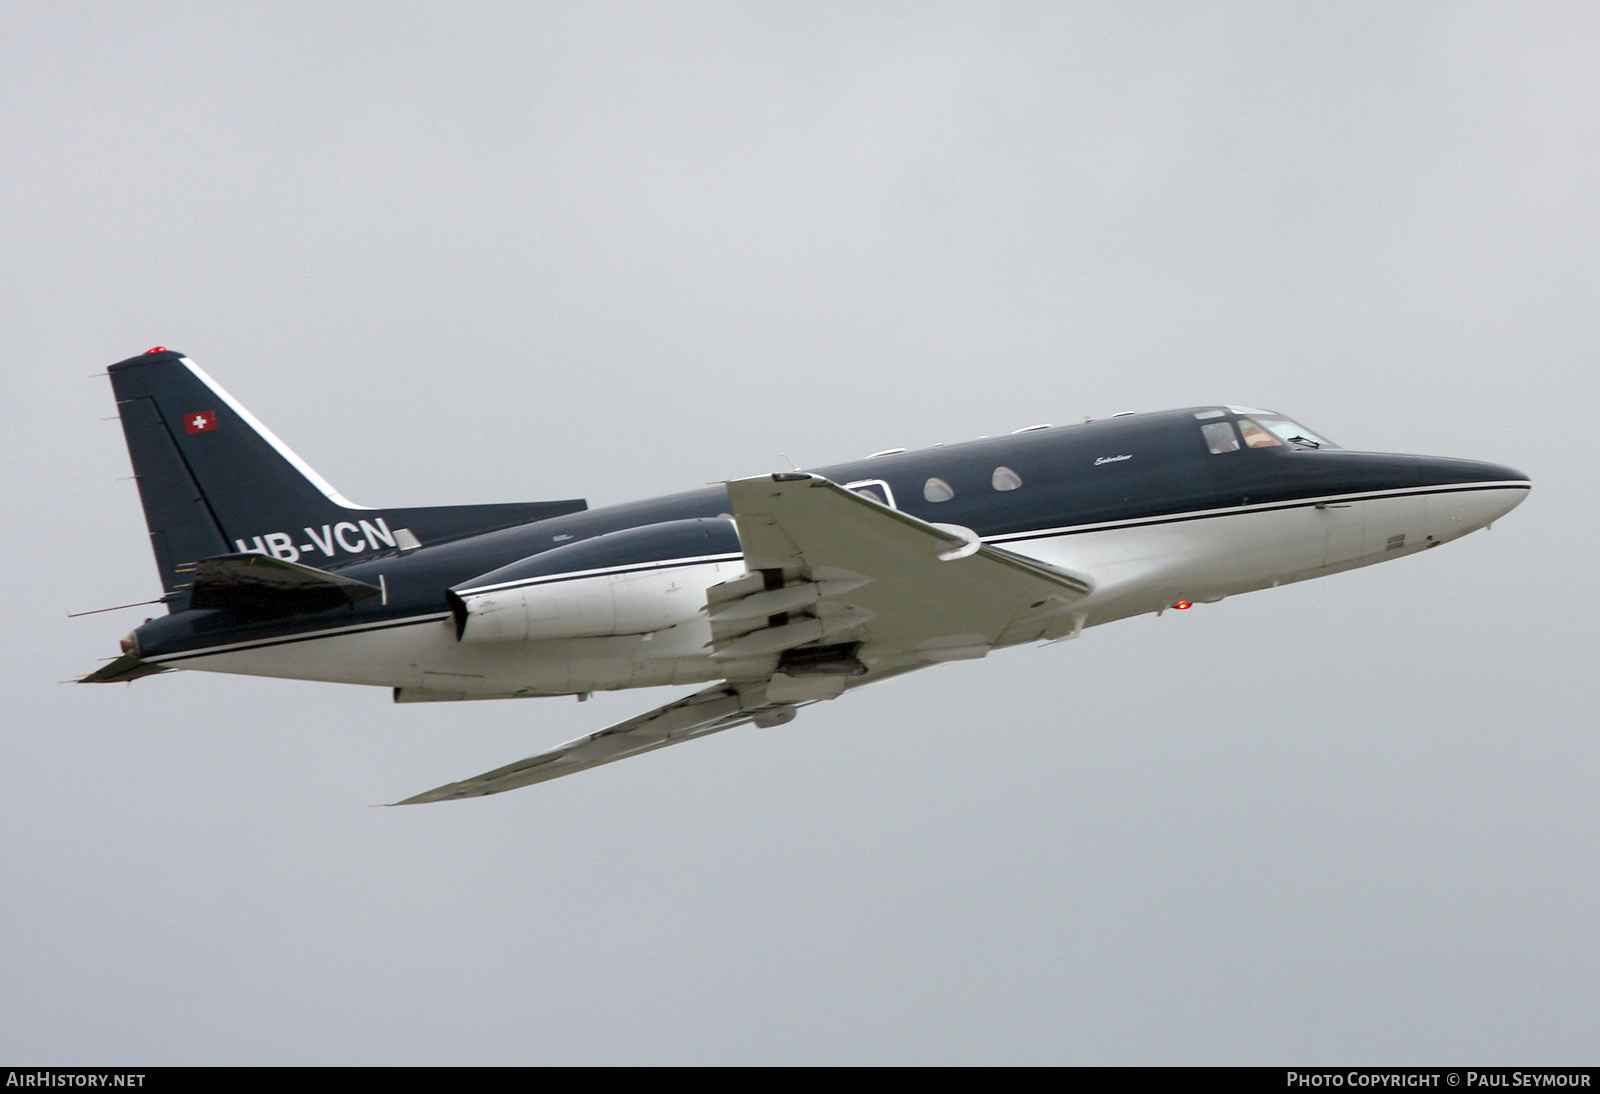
(1138, 566)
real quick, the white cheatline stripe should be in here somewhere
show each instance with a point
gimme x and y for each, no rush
(618, 568)
(1193, 514)
(1286, 503)
(278, 640)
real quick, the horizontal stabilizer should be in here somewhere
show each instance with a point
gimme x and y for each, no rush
(124, 669)
(254, 584)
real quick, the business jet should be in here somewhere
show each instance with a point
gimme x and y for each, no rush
(772, 592)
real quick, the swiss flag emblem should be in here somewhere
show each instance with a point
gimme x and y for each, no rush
(200, 422)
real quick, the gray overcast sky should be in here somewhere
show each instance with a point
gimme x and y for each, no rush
(497, 251)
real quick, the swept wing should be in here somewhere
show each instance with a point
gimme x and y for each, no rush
(839, 591)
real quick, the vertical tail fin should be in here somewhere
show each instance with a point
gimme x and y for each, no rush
(214, 480)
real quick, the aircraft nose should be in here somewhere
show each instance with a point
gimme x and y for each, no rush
(1485, 493)
(1478, 471)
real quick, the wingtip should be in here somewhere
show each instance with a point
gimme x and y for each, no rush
(423, 798)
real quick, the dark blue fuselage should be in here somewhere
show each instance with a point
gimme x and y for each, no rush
(1135, 469)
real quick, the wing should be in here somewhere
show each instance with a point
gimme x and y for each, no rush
(698, 715)
(911, 593)
(839, 591)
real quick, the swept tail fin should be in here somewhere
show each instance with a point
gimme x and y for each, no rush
(215, 481)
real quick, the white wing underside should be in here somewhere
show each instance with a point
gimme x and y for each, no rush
(839, 591)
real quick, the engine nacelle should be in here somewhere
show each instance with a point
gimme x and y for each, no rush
(584, 607)
(631, 582)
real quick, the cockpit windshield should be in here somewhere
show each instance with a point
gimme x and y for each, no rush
(1265, 431)
(1259, 429)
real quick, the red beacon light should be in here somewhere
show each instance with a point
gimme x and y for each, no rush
(157, 349)
(1183, 605)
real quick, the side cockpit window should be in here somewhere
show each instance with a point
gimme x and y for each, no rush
(1220, 437)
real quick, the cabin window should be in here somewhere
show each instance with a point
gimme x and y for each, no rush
(1005, 479)
(937, 490)
(1220, 437)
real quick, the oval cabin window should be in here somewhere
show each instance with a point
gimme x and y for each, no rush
(937, 490)
(1005, 479)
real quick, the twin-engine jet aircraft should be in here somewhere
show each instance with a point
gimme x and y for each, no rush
(776, 591)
